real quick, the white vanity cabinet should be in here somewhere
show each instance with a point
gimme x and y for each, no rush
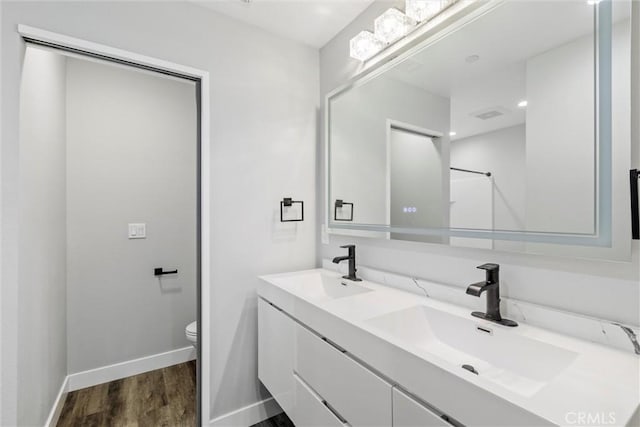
(408, 412)
(361, 397)
(313, 381)
(276, 337)
(363, 354)
(317, 383)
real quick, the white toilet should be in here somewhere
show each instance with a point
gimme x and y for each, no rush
(191, 331)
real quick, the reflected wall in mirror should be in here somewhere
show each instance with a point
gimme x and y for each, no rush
(493, 127)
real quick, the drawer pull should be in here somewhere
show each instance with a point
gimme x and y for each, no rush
(334, 412)
(275, 306)
(451, 421)
(334, 345)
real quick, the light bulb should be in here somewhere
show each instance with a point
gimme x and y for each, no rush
(391, 25)
(364, 45)
(423, 10)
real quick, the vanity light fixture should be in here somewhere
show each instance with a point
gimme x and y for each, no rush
(391, 25)
(452, 133)
(422, 10)
(522, 104)
(364, 45)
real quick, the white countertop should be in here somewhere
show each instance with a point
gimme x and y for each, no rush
(594, 381)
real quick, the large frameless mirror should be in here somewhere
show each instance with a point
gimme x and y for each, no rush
(498, 133)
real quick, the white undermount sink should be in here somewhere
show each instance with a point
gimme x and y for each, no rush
(498, 354)
(318, 287)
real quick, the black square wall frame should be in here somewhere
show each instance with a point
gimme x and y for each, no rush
(288, 202)
(340, 204)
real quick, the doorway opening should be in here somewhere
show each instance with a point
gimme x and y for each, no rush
(114, 164)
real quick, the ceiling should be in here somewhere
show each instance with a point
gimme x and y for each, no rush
(312, 22)
(502, 41)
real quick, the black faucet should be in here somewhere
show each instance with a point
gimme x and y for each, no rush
(492, 286)
(352, 262)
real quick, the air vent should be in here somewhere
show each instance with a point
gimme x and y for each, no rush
(490, 113)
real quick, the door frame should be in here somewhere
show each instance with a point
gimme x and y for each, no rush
(201, 78)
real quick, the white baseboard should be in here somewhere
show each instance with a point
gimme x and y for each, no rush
(249, 415)
(132, 367)
(58, 404)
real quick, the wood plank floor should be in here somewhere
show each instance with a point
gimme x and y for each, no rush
(280, 420)
(165, 397)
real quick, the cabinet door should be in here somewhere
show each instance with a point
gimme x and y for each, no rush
(356, 393)
(408, 412)
(276, 334)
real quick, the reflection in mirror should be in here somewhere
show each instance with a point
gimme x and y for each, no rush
(492, 127)
(415, 157)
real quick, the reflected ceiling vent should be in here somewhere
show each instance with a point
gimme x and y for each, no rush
(489, 113)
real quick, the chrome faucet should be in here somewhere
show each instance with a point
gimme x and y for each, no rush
(491, 286)
(352, 262)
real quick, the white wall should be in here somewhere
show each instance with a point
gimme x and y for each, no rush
(264, 106)
(553, 172)
(502, 153)
(42, 332)
(560, 139)
(597, 288)
(471, 206)
(131, 157)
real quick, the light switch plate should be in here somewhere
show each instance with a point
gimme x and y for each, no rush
(138, 231)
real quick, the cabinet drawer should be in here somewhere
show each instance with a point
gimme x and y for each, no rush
(276, 335)
(356, 393)
(310, 410)
(408, 412)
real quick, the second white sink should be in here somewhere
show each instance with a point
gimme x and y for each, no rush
(520, 364)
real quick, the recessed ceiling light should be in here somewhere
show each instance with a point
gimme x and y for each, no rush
(452, 134)
(522, 104)
(471, 59)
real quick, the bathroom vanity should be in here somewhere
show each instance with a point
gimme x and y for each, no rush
(334, 352)
(485, 133)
